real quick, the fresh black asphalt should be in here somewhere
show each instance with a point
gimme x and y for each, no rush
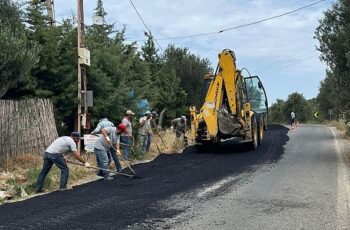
(122, 202)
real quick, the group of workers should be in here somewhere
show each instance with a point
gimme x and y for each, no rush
(107, 147)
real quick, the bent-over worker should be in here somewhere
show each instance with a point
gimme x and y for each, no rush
(104, 123)
(110, 137)
(179, 124)
(54, 155)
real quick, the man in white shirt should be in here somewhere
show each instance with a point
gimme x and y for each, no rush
(292, 117)
(110, 137)
(54, 155)
(144, 130)
(127, 138)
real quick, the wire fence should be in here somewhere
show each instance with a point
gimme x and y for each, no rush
(26, 127)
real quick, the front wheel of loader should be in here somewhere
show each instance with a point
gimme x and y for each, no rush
(254, 142)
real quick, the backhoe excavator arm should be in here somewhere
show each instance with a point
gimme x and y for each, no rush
(223, 85)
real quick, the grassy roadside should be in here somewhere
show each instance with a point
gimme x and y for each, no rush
(18, 175)
(343, 127)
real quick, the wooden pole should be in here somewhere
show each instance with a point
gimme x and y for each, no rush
(80, 23)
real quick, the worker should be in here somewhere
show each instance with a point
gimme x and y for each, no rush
(292, 117)
(153, 126)
(126, 138)
(144, 131)
(104, 123)
(110, 137)
(179, 124)
(54, 154)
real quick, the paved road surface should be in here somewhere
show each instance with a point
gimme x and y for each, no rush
(295, 180)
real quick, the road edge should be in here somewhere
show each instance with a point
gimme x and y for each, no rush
(343, 192)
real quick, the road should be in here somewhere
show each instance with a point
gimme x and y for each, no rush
(295, 180)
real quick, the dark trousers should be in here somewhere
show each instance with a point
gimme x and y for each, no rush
(113, 154)
(49, 160)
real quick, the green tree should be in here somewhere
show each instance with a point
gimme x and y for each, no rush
(277, 112)
(333, 35)
(190, 69)
(18, 55)
(296, 102)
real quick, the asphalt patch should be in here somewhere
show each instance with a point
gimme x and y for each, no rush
(122, 202)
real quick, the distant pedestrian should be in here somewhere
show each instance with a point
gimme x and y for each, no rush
(110, 137)
(144, 131)
(292, 118)
(126, 137)
(104, 123)
(54, 155)
(179, 124)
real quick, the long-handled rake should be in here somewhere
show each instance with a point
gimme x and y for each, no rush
(125, 161)
(93, 167)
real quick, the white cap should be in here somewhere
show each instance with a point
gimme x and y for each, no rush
(183, 118)
(129, 112)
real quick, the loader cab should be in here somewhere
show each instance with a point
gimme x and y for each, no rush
(256, 94)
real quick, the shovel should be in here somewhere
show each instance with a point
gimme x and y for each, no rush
(93, 167)
(127, 164)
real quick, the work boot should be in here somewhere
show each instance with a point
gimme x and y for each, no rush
(39, 191)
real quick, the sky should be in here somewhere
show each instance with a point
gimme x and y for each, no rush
(282, 52)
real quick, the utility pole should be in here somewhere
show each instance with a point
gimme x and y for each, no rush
(83, 60)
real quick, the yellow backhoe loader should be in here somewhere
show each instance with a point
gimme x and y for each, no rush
(235, 107)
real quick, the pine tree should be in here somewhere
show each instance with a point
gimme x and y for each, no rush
(18, 55)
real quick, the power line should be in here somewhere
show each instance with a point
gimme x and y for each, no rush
(240, 26)
(149, 31)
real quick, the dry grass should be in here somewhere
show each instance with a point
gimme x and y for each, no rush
(343, 127)
(21, 172)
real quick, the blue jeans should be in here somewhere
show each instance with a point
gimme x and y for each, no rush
(102, 161)
(113, 154)
(126, 140)
(49, 160)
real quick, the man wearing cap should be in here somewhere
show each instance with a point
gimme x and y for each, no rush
(110, 137)
(144, 130)
(54, 155)
(152, 126)
(180, 127)
(126, 137)
(104, 123)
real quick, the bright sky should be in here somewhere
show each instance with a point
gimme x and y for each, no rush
(281, 51)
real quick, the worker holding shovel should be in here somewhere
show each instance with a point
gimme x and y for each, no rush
(54, 155)
(144, 130)
(179, 124)
(110, 137)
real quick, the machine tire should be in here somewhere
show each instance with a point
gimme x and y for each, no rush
(261, 130)
(254, 142)
(265, 121)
